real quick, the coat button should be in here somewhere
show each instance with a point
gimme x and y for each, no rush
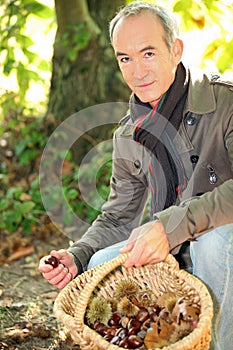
(212, 176)
(137, 164)
(194, 159)
(190, 120)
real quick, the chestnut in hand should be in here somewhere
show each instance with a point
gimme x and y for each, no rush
(52, 260)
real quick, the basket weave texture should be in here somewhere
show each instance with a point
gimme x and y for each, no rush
(71, 303)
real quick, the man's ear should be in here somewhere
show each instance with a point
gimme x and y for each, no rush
(178, 47)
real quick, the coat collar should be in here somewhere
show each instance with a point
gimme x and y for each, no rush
(201, 99)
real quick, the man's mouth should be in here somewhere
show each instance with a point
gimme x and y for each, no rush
(145, 85)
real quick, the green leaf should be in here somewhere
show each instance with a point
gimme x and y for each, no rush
(32, 75)
(72, 55)
(9, 65)
(27, 207)
(13, 192)
(13, 216)
(182, 5)
(27, 156)
(3, 204)
(44, 65)
(24, 41)
(67, 217)
(31, 56)
(72, 194)
(38, 9)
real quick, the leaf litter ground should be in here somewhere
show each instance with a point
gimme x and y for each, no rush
(26, 299)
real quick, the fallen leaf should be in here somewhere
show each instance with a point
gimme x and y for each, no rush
(6, 302)
(158, 336)
(19, 253)
(25, 197)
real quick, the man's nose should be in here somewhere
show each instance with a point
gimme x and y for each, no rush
(139, 70)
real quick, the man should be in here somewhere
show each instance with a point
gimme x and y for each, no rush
(176, 143)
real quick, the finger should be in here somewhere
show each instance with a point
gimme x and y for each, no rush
(55, 271)
(57, 253)
(45, 268)
(135, 256)
(65, 281)
(127, 248)
(55, 280)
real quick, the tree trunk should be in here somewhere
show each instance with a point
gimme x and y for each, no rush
(92, 77)
(85, 71)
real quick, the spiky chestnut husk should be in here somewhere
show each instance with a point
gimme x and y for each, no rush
(146, 297)
(113, 303)
(167, 301)
(125, 307)
(125, 287)
(98, 310)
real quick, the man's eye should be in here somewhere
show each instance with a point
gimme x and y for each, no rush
(124, 59)
(149, 54)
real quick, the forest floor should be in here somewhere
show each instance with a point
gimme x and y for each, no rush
(27, 321)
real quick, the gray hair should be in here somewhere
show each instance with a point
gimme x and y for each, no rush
(166, 18)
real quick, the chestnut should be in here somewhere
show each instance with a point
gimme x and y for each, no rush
(156, 309)
(112, 331)
(124, 321)
(108, 337)
(133, 323)
(134, 341)
(101, 328)
(142, 315)
(124, 343)
(146, 325)
(115, 319)
(133, 330)
(52, 260)
(122, 333)
(115, 340)
(153, 317)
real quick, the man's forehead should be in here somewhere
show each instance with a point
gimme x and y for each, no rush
(137, 32)
(142, 23)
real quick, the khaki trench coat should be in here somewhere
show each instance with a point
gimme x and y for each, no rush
(205, 144)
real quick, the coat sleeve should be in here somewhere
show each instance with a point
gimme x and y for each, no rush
(125, 206)
(201, 214)
(198, 215)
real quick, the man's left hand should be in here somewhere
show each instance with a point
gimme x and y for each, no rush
(147, 244)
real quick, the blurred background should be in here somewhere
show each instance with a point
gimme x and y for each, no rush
(56, 60)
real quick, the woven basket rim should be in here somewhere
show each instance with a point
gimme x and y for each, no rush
(90, 279)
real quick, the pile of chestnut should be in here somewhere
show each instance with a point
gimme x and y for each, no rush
(134, 318)
(128, 332)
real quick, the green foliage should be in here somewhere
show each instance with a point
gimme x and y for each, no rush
(30, 145)
(20, 201)
(197, 14)
(16, 54)
(16, 212)
(222, 51)
(94, 177)
(76, 38)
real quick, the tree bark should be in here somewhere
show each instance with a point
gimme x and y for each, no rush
(93, 76)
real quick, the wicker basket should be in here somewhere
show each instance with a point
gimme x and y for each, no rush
(71, 303)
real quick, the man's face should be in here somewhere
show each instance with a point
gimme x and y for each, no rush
(147, 65)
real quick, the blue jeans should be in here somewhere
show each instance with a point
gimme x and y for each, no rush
(212, 257)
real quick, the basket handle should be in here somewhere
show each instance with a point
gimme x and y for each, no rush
(99, 274)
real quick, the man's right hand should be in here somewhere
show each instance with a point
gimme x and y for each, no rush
(61, 275)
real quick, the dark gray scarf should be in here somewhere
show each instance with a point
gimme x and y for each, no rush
(156, 131)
